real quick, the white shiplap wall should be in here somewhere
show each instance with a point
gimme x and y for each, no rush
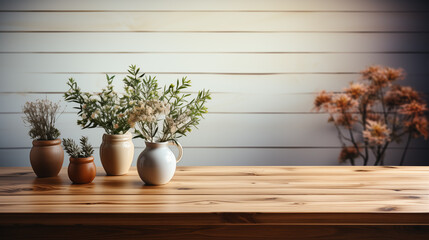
(263, 60)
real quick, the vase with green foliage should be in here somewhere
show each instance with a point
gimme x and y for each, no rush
(161, 116)
(109, 110)
(46, 155)
(81, 168)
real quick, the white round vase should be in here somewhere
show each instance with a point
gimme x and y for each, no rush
(156, 164)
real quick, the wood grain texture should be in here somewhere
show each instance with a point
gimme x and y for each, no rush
(221, 202)
(210, 232)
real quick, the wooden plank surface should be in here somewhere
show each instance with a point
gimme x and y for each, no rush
(221, 203)
(225, 189)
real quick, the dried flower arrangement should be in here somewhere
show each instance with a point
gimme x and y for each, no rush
(84, 151)
(166, 115)
(372, 113)
(41, 116)
(107, 109)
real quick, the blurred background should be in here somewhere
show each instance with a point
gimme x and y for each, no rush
(264, 62)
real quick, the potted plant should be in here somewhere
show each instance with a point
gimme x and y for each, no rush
(371, 114)
(160, 117)
(81, 168)
(46, 155)
(108, 110)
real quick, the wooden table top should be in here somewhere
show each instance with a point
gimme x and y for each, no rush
(225, 195)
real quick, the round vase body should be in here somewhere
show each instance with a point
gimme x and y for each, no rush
(82, 170)
(116, 153)
(156, 164)
(46, 157)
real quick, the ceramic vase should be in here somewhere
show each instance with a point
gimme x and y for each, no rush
(116, 153)
(82, 170)
(156, 164)
(46, 157)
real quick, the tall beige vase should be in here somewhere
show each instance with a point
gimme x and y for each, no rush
(116, 153)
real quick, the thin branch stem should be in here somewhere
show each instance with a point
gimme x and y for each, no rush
(405, 150)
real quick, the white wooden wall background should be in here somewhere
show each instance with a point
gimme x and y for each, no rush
(263, 60)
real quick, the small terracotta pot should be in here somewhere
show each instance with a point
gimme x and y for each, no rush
(117, 153)
(46, 157)
(82, 170)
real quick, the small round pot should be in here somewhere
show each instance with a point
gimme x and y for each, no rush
(46, 157)
(82, 170)
(117, 153)
(156, 165)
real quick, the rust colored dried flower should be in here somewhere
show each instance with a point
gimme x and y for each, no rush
(399, 95)
(376, 133)
(370, 72)
(393, 74)
(375, 74)
(345, 119)
(348, 153)
(382, 76)
(377, 112)
(418, 126)
(343, 103)
(322, 100)
(414, 108)
(356, 90)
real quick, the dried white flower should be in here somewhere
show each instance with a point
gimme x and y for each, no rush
(173, 129)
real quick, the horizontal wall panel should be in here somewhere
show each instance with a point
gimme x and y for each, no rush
(224, 83)
(210, 63)
(214, 21)
(219, 5)
(216, 130)
(217, 83)
(220, 103)
(214, 42)
(239, 157)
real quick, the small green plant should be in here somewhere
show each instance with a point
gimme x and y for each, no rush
(41, 116)
(84, 151)
(107, 109)
(162, 115)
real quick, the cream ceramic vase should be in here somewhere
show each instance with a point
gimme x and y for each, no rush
(116, 153)
(156, 164)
